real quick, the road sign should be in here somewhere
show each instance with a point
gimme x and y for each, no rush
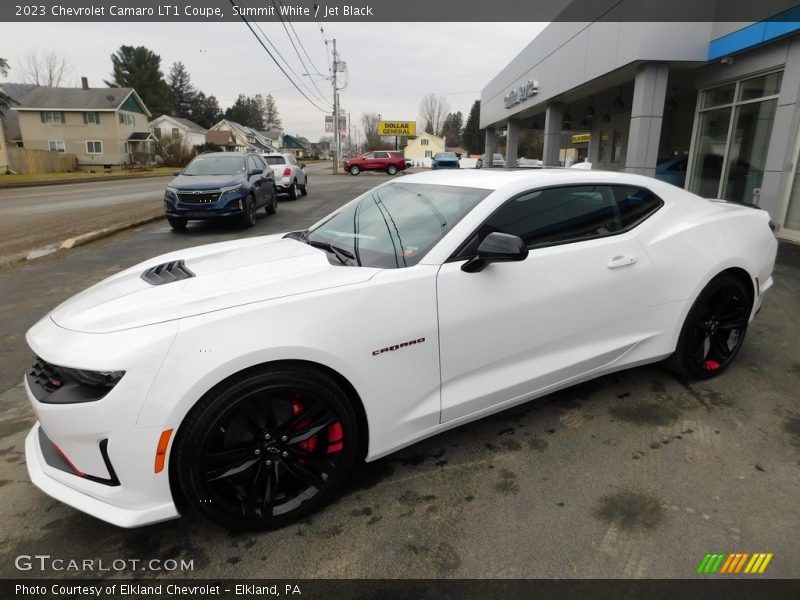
(405, 128)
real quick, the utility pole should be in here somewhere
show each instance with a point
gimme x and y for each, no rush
(336, 159)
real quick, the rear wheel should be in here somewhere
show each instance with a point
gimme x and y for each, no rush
(177, 223)
(391, 169)
(354, 170)
(266, 447)
(714, 329)
(249, 212)
(272, 206)
(294, 191)
(304, 188)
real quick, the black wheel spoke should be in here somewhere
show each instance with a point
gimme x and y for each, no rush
(719, 344)
(230, 470)
(320, 463)
(257, 489)
(304, 475)
(313, 429)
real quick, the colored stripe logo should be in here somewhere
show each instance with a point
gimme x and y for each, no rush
(731, 564)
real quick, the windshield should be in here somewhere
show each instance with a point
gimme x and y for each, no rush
(445, 155)
(215, 165)
(394, 226)
(275, 160)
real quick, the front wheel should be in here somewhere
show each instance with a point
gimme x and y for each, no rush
(272, 206)
(714, 329)
(354, 170)
(266, 447)
(391, 169)
(177, 223)
(249, 212)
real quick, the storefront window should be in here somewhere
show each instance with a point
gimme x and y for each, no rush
(617, 142)
(602, 153)
(732, 138)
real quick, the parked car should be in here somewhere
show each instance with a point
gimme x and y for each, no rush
(290, 177)
(248, 376)
(410, 162)
(497, 161)
(672, 169)
(530, 163)
(218, 185)
(445, 160)
(378, 160)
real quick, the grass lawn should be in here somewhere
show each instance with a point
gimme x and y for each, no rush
(44, 178)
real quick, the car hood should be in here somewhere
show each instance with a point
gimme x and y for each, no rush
(225, 275)
(205, 182)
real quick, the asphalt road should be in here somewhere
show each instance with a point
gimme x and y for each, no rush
(37, 216)
(632, 475)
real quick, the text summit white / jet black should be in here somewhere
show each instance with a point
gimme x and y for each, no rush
(243, 379)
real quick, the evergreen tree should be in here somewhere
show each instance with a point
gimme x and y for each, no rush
(271, 118)
(471, 136)
(182, 91)
(205, 110)
(140, 69)
(451, 131)
(246, 111)
(5, 100)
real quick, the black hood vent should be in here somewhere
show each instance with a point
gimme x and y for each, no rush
(167, 273)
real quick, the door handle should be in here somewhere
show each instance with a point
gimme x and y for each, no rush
(621, 261)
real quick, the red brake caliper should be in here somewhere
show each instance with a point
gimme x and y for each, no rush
(711, 365)
(335, 434)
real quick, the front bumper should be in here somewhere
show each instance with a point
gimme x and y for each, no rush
(107, 458)
(228, 205)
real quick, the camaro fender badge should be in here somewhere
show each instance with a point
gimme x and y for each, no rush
(397, 346)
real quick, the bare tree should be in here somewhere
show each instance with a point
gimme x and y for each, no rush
(433, 111)
(49, 69)
(369, 123)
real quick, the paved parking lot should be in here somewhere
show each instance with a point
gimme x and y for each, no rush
(633, 475)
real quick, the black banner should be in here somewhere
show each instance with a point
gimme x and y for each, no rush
(383, 11)
(401, 589)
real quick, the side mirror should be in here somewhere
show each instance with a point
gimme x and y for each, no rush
(176, 173)
(256, 172)
(496, 247)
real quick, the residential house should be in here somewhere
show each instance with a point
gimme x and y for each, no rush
(424, 145)
(273, 135)
(191, 132)
(300, 147)
(235, 137)
(101, 126)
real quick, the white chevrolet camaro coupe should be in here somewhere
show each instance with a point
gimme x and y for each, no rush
(245, 378)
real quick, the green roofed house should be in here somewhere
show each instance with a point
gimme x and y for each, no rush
(103, 127)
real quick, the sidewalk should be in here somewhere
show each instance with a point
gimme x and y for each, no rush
(28, 180)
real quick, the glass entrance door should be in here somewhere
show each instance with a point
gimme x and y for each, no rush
(791, 220)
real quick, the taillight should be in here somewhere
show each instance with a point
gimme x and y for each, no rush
(287, 171)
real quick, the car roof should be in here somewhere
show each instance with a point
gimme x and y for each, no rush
(495, 179)
(238, 154)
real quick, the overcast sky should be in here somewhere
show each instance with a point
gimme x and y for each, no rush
(391, 65)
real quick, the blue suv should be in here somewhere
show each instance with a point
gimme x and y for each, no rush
(221, 185)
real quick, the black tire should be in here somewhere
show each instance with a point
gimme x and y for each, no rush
(234, 458)
(304, 187)
(272, 206)
(249, 212)
(177, 223)
(391, 170)
(294, 191)
(354, 170)
(714, 329)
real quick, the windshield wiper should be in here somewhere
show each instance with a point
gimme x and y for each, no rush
(339, 253)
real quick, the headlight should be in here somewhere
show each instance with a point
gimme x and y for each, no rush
(98, 379)
(231, 190)
(171, 192)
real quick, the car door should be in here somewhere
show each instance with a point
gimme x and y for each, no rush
(381, 161)
(576, 304)
(256, 180)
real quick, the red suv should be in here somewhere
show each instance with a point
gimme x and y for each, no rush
(378, 160)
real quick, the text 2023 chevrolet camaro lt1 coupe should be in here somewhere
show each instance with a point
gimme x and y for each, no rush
(246, 377)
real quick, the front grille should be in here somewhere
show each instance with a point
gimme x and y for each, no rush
(199, 197)
(175, 270)
(46, 376)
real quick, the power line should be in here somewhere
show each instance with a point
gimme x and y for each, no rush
(303, 47)
(244, 19)
(318, 97)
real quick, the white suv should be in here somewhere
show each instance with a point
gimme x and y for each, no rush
(290, 178)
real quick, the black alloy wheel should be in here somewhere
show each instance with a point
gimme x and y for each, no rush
(266, 448)
(714, 329)
(249, 212)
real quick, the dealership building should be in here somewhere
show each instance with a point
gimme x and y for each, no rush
(710, 106)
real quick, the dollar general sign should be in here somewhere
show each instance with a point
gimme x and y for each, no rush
(408, 128)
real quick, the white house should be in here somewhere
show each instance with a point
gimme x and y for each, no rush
(165, 125)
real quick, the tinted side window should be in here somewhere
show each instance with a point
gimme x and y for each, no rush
(370, 155)
(635, 204)
(381, 155)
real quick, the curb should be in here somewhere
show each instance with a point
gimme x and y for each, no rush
(89, 179)
(80, 240)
